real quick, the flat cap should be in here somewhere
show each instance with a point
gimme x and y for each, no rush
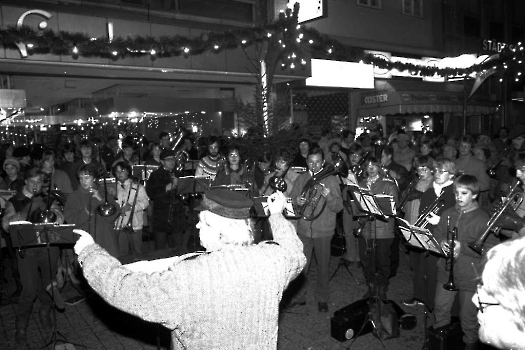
(226, 203)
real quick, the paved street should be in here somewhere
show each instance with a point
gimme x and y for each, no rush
(96, 325)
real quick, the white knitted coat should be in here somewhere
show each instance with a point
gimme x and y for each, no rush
(227, 299)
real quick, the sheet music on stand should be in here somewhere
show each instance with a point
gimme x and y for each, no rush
(26, 234)
(262, 210)
(420, 238)
(142, 172)
(381, 205)
(193, 184)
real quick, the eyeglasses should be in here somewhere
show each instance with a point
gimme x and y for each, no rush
(440, 171)
(423, 169)
(482, 305)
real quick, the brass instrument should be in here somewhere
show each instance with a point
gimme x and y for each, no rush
(491, 171)
(378, 144)
(513, 200)
(129, 226)
(277, 183)
(106, 209)
(358, 232)
(181, 156)
(313, 188)
(433, 208)
(47, 216)
(357, 169)
(451, 238)
(406, 194)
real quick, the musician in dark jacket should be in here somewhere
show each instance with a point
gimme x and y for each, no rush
(377, 234)
(422, 263)
(33, 264)
(168, 208)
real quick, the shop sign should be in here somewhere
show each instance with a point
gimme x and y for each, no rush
(374, 99)
(418, 97)
(495, 46)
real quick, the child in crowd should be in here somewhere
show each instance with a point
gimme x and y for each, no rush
(470, 222)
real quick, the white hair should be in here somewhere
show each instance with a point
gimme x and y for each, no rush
(231, 231)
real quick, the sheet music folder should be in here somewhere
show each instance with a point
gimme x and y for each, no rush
(28, 235)
(377, 204)
(193, 184)
(420, 238)
(261, 207)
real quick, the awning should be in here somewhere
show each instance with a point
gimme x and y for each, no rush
(406, 97)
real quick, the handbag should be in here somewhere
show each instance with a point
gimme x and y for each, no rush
(384, 320)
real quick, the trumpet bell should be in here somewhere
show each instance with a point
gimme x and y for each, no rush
(106, 209)
(47, 217)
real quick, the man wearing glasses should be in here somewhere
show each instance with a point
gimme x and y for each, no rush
(500, 302)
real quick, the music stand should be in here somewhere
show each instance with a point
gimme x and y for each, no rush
(192, 186)
(422, 239)
(380, 207)
(27, 235)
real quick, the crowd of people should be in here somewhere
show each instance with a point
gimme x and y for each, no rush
(439, 182)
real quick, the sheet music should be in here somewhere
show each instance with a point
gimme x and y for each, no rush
(420, 237)
(366, 202)
(350, 180)
(387, 204)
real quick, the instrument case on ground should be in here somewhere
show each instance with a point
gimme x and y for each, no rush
(348, 321)
(448, 337)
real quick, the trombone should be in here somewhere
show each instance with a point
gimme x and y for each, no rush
(129, 225)
(433, 208)
(513, 200)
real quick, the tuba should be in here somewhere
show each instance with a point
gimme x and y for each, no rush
(513, 200)
(313, 188)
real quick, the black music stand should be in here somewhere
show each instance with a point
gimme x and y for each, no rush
(193, 186)
(379, 207)
(422, 239)
(28, 235)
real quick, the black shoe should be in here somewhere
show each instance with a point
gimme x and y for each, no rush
(322, 307)
(412, 302)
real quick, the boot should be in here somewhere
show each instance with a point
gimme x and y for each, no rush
(45, 319)
(381, 292)
(21, 330)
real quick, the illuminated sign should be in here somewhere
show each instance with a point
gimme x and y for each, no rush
(308, 9)
(341, 74)
(494, 45)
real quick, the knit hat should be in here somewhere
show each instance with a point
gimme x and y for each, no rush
(226, 203)
(167, 153)
(21, 152)
(13, 162)
(518, 130)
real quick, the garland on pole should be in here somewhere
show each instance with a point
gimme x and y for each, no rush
(292, 37)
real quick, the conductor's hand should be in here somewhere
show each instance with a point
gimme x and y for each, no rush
(84, 240)
(276, 203)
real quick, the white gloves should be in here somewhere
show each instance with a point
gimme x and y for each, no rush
(276, 202)
(84, 240)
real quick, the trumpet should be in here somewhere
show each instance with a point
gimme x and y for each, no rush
(491, 171)
(433, 208)
(450, 262)
(513, 200)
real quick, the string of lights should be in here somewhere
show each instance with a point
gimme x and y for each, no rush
(292, 40)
